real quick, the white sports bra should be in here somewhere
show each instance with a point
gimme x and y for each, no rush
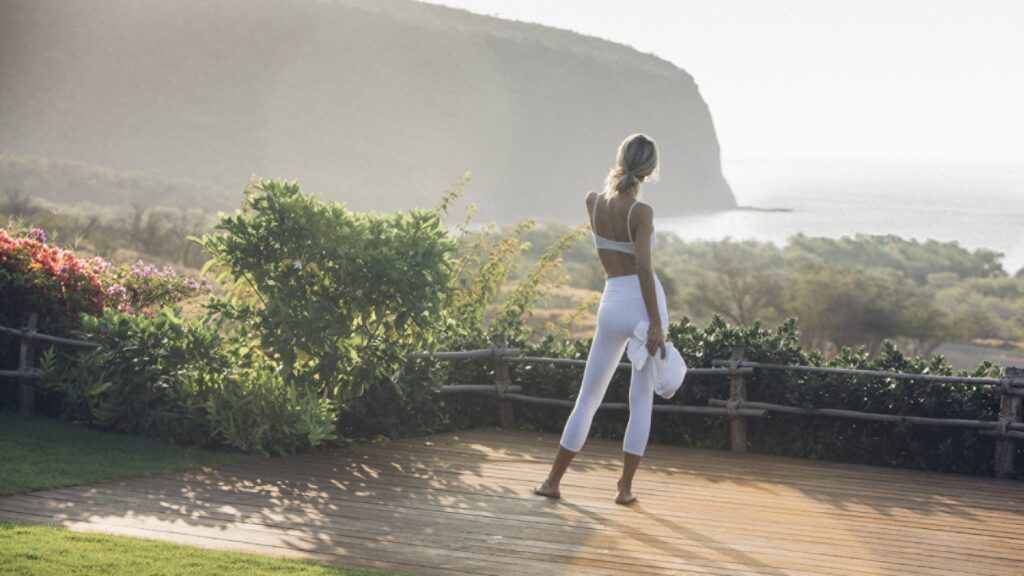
(607, 243)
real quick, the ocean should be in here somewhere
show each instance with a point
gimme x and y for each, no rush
(975, 205)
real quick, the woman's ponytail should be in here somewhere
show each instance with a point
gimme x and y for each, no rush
(637, 162)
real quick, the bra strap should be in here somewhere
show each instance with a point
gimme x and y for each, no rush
(628, 214)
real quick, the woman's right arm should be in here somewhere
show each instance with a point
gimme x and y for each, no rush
(644, 216)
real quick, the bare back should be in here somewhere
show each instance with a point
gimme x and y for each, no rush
(610, 221)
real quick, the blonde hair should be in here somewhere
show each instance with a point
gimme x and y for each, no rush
(637, 162)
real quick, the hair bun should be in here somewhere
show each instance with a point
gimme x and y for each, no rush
(627, 181)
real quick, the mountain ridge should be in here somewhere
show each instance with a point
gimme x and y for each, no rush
(379, 104)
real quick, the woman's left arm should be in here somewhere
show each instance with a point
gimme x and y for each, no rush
(645, 272)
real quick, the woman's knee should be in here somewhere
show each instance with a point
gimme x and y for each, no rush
(641, 391)
(588, 405)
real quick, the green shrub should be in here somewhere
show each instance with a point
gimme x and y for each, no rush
(475, 308)
(255, 409)
(190, 382)
(322, 304)
(336, 297)
(931, 448)
(150, 376)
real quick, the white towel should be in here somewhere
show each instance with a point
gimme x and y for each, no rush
(666, 373)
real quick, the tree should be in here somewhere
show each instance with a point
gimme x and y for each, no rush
(924, 324)
(841, 307)
(16, 203)
(185, 224)
(737, 284)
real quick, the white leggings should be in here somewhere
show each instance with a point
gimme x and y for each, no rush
(622, 306)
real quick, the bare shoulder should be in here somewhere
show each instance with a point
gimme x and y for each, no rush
(589, 198)
(643, 212)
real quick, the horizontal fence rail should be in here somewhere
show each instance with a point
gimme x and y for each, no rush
(1001, 384)
(31, 335)
(26, 371)
(1007, 429)
(920, 420)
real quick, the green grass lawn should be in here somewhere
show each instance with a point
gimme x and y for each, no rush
(38, 452)
(54, 551)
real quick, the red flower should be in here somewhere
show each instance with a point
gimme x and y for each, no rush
(50, 277)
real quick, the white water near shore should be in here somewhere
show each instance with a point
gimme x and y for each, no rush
(978, 206)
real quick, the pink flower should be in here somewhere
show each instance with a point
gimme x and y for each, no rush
(38, 235)
(141, 269)
(117, 291)
(99, 265)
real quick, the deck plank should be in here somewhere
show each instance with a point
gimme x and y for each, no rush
(461, 503)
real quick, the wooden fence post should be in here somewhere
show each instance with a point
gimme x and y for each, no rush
(737, 394)
(502, 380)
(1009, 413)
(26, 391)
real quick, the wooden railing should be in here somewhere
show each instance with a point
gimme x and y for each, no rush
(1007, 429)
(26, 371)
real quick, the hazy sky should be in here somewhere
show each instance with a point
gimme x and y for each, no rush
(873, 79)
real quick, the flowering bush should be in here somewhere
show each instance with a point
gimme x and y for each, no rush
(37, 277)
(143, 288)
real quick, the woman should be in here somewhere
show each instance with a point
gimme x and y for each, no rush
(624, 235)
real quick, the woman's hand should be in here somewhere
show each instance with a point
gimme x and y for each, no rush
(656, 340)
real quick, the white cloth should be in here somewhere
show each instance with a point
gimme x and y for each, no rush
(666, 373)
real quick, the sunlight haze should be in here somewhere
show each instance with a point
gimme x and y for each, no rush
(883, 80)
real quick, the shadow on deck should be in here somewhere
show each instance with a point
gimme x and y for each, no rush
(461, 503)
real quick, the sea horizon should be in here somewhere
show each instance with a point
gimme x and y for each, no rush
(977, 205)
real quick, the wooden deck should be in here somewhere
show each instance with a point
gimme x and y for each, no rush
(461, 503)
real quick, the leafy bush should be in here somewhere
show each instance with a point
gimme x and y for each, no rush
(336, 297)
(256, 409)
(487, 262)
(149, 376)
(488, 294)
(322, 304)
(185, 381)
(931, 448)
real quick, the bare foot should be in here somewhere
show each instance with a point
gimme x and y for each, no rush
(546, 489)
(625, 495)
(625, 498)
